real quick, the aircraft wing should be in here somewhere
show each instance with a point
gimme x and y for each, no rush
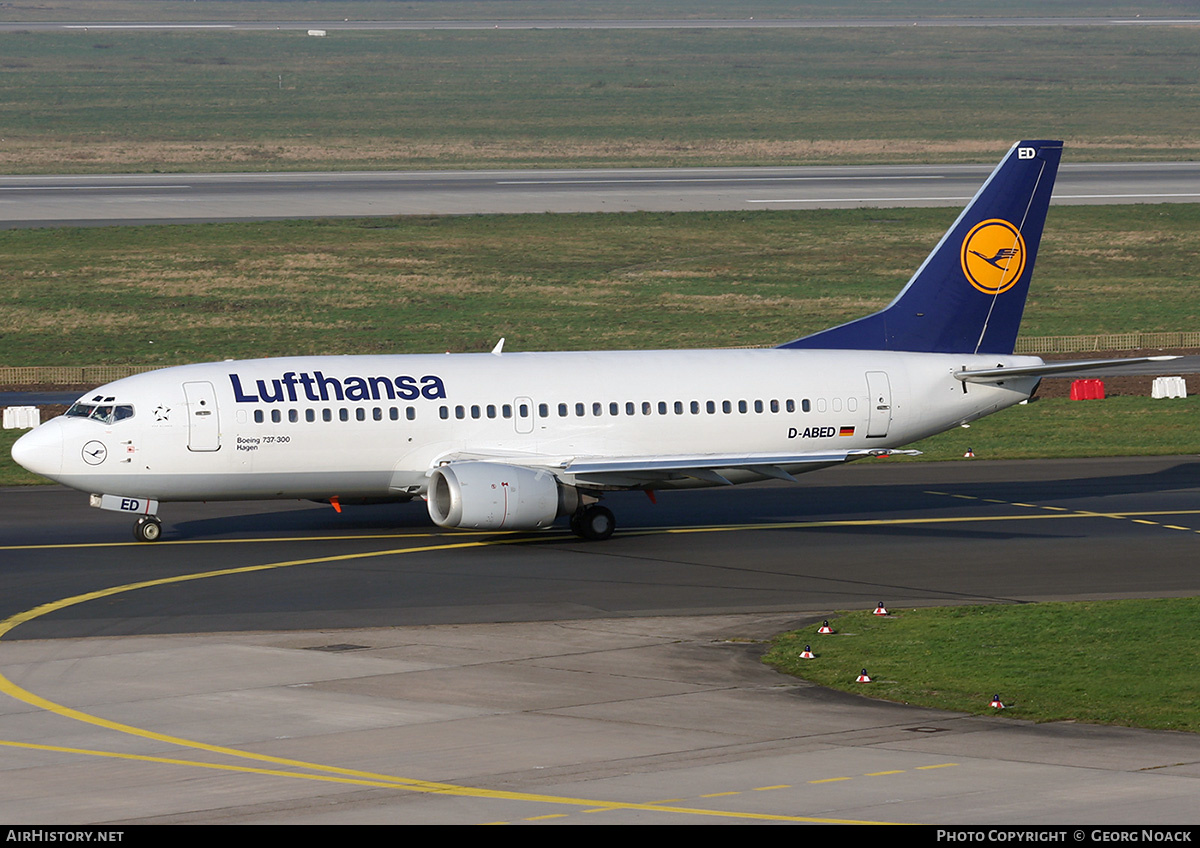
(645, 471)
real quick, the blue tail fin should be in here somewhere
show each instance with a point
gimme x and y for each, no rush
(968, 295)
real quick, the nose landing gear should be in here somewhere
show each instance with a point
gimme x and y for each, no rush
(147, 529)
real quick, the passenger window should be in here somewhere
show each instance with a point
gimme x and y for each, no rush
(343, 414)
(360, 414)
(726, 407)
(460, 412)
(491, 410)
(377, 413)
(411, 413)
(275, 416)
(444, 412)
(258, 416)
(326, 415)
(475, 413)
(293, 415)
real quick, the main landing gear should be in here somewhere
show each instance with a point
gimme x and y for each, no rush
(594, 523)
(147, 529)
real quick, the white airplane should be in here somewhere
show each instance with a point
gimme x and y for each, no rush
(513, 441)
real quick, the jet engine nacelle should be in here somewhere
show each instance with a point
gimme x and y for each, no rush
(490, 496)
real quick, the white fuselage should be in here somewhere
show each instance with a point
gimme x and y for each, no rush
(375, 426)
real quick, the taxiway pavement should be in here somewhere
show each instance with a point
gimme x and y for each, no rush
(103, 200)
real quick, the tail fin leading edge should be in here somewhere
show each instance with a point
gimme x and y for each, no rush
(969, 293)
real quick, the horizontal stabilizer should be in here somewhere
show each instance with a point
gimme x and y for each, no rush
(996, 375)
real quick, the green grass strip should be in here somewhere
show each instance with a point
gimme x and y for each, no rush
(1063, 429)
(1131, 662)
(169, 295)
(369, 10)
(184, 100)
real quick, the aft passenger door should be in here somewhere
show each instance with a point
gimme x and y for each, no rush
(879, 404)
(204, 424)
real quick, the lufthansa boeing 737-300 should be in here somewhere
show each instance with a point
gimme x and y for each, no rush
(513, 441)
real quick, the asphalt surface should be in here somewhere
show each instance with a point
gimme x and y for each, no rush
(101, 200)
(779, 562)
(474, 678)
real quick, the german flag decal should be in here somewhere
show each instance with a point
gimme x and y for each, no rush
(846, 431)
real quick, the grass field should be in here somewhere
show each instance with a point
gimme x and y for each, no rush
(360, 10)
(119, 100)
(1091, 662)
(1059, 428)
(166, 295)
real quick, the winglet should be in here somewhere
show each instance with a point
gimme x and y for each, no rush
(969, 294)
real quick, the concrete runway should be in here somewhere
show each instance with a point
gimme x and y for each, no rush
(101, 200)
(360, 669)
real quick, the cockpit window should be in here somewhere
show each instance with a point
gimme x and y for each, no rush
(105, 413)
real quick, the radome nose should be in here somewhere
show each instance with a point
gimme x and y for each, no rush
(41, 449)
